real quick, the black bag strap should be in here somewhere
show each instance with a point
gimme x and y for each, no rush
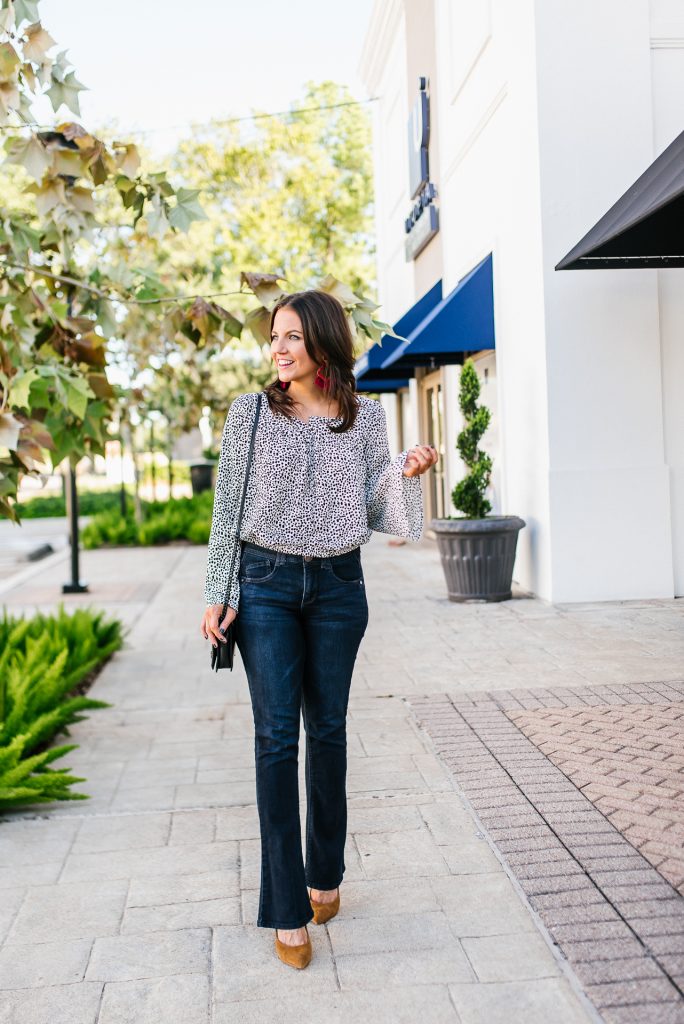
(242, 504)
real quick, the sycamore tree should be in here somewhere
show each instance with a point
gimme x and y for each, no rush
(57, 307)
(290, 196)
(228, 353)
(104, 264)
(291, 193)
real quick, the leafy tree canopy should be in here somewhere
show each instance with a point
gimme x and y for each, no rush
(125, 286)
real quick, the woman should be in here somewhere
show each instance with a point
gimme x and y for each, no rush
(321, 481)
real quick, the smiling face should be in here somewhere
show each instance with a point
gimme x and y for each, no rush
(287, 347)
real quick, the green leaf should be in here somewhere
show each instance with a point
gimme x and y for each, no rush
(7, 17)
(49, 193)
(187, 209)
(58, 67)
(24, 238)
(106, 317)
(26, 10)
(145, 293)
(31, 154)
(77, 393)
(123, 183)
(157, 221)
(40, 391)
(94, 419)
(66, 93)
(68, 161)
(21, 386)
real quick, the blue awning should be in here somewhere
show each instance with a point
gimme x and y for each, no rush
(462, 322)
(368, 367)
(381, 384)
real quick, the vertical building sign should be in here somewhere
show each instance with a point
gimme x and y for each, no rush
(422, 224)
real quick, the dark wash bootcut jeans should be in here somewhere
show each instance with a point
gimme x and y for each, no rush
(298, 629)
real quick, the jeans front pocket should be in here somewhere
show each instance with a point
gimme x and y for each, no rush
(257, 568)
(347, 568)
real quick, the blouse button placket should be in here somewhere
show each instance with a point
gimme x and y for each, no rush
(309, 479)
(311, 469)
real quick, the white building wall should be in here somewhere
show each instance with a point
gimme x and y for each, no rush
(610, 502)
(387, 80)
(390, 404)
(547, 113)
(453, 424)
(489, 202)
(667, 76)
(485, 364)
(384, 60)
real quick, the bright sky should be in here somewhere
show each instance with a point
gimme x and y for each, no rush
(155, 64)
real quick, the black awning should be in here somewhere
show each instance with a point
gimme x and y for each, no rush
(645, 228)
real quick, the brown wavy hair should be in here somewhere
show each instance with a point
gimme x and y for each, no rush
(327, 338)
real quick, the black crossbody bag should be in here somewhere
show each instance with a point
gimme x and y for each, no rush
(222, 655)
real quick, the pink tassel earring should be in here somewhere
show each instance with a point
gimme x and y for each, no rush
(284, 384)
(320, 380)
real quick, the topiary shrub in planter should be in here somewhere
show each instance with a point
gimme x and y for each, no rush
(477, 550)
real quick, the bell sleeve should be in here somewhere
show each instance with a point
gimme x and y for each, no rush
(394, 502)
(227, 495)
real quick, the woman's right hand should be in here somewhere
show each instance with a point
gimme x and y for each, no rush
(210, 628)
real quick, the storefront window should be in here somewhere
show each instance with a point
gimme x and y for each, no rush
(434, 422)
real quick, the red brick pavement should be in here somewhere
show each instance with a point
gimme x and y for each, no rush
(629, 761)
(534, 766)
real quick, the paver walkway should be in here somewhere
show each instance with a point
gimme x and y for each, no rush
(139, 904)
(617, 920)
(21, 545)
(628, 761)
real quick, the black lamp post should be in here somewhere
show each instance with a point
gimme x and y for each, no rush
(122, 489)
(75, 585)
(122, 485)
(154, 468)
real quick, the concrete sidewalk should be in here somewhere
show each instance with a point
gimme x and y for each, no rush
(27, 544)
(139, 904)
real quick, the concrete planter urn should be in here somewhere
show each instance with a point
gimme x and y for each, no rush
(477, 549)
(478, 556)
(201, 475)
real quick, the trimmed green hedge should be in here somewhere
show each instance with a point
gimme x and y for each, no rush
(44, 660)
(163, 521)
(89, 504)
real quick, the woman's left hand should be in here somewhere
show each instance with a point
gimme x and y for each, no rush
(419, 459)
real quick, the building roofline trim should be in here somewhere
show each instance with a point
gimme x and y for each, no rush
(382, 27)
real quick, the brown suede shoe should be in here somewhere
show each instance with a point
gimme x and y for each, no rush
(295, 956)
(324, 911)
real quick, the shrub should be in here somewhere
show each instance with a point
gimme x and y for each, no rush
(110, 528)
(43, 661)
(89, 503)
(468, 495)
(163, 521)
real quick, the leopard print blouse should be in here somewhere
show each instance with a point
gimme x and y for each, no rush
(310, 491)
